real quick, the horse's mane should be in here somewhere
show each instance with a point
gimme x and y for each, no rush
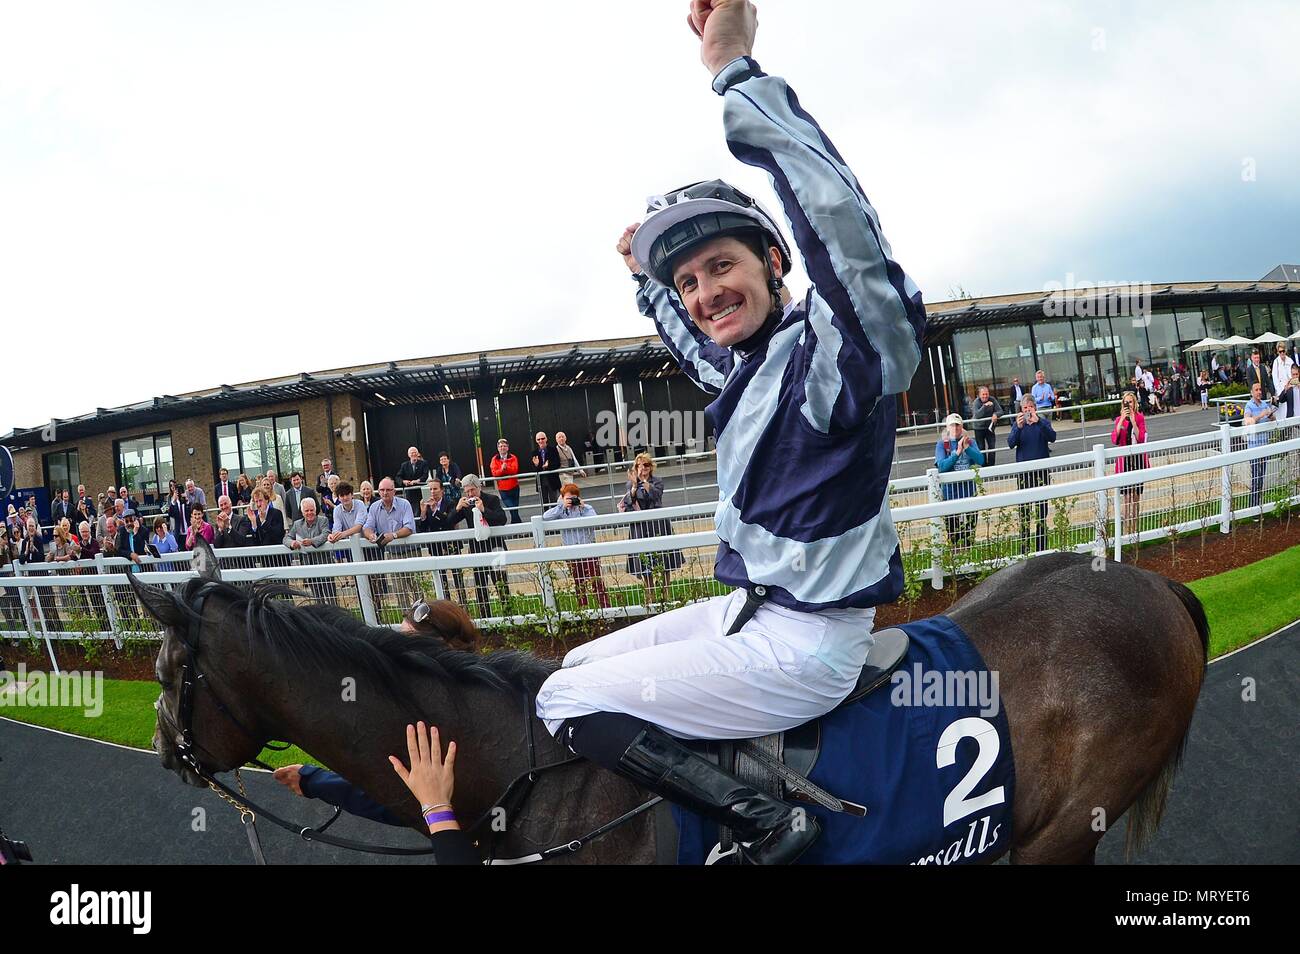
(315, 635)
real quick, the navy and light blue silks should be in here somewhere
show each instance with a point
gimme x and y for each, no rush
(935, 774)
(817, 392)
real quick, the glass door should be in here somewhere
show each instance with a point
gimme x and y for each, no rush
(1097, 376)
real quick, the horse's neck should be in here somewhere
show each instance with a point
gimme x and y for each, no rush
(353, 732)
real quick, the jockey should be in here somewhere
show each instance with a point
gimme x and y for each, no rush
(804, 420)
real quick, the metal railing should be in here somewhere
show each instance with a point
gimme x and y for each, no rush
(544, 574)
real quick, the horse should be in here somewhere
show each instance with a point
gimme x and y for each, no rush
(1099, 663)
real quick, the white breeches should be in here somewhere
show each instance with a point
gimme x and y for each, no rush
(680, 672)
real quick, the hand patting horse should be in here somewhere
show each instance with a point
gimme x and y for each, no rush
(1099, 668)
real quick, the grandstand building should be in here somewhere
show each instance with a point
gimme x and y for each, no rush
(364, 418)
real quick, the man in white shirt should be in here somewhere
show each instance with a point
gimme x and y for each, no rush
(1282, 365)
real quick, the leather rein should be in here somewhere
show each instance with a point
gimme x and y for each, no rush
(512, 799)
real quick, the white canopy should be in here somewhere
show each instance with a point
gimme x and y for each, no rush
(1294, 336)
(1237, 341)
(1268, 337)
(1206, 344)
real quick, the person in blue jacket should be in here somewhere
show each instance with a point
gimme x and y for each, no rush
(1031, 436)
(957, 451)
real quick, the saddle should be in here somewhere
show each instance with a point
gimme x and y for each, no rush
(780, 764)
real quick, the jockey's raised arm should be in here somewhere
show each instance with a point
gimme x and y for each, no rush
(863, 314)
(804, 420)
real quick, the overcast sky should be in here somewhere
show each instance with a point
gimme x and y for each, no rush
(240, 190)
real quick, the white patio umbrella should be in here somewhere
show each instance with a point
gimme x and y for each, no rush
(1237, 341)
(1206, 344)
(1268, 337)
(1294, 337)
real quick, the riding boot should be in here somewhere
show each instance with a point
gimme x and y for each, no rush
(770, 831)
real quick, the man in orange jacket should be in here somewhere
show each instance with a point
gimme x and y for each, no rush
(506, 464)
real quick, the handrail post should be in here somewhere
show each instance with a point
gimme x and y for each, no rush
(1119, 523)
(24, 594)
(1099, 524)
(544, 578)
(109, 608)
(363, 582)
(936, 530)
(1225, 492)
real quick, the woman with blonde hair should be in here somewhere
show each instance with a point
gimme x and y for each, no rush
(268, 490)
(645, 491)
(65, 547)
(1130, 428)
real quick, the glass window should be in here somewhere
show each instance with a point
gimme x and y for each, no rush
(974, 365)
(1054, 345)
(1093, 334)
(255, 446)
(1162, 333)
(1132, 344)
(1191, 325)
(1268, 318)
(144, 463)
(288, 444)
(1216, 325)
(1013, 357)
(62, 472)
(1239, 321)
(228, 448)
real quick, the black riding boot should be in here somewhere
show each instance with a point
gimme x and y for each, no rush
(771, 832)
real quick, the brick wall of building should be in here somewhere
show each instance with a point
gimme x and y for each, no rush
(317, 420)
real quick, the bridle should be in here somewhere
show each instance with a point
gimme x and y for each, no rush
(511, 800)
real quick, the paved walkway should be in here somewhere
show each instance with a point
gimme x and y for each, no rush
(75, 801)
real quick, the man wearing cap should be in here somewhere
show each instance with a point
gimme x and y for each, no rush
(810, 551)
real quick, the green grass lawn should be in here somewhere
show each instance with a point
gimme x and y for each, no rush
(1251, 601)
(127, 718)
(1233, 603)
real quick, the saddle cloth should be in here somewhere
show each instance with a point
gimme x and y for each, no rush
(928, 754)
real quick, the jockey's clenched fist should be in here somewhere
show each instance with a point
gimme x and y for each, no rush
(727, 29)
(624, 247)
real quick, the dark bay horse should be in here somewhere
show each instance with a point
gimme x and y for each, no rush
(1099, 665)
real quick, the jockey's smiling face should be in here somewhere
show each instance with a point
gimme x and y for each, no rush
(723, 285)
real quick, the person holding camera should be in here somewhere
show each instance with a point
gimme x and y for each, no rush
(472, 505)
(177, 510)
(645, 491)
(956, 451)
(1030, 436)
(585, 570)
(1130, 428)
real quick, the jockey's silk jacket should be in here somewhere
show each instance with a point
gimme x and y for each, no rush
(804, 417)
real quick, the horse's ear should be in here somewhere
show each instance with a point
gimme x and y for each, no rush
(204, 561)
(158, 603)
